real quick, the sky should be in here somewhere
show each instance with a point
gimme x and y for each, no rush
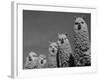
(40, 27)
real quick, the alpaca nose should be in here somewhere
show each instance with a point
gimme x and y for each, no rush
(53, 50)
(62, 41)
(30, 58)
(79, 26)
(41, 61)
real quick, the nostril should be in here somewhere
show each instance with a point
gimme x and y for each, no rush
(41, 61)
(62, 41)
(30, 58)
(79, 27)
(53, 50)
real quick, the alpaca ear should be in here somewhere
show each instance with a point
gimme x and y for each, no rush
(84, 17)
(49, 42)
(74, 17)
(66, 34)
(58, 34)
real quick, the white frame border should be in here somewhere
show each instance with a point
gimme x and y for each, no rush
(17, 35)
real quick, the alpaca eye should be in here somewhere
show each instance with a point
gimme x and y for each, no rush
(82, 22)
(76, 23)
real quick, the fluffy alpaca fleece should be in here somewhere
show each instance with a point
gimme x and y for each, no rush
(65, 51)
(31, 61)
(34, 61)
(52, 57)
(81, 43)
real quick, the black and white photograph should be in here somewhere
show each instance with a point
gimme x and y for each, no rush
(53, 39)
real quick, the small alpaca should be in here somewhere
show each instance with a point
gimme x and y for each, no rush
(31, 61)
(42, 61)
(52, 57)
(34, 61)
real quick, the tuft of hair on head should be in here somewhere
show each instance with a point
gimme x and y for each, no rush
(49, 42)
(42, 56)
(84, 17)
(74, 17)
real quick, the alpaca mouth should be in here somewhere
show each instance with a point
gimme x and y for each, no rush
(79, 27)
(62, 41)
(53, 50)
(30, 58)
(41, 61)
